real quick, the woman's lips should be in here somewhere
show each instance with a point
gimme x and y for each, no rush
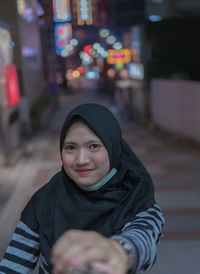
(84, 172)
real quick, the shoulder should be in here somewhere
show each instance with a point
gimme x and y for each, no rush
(50, 187)
(47, 191)
(42, 199)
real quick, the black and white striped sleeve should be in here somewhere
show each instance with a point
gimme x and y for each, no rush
(23, 251)
(143, 235)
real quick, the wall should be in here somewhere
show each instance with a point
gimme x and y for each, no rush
(175, 106)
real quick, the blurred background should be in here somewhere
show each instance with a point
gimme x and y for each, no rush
(139, 58)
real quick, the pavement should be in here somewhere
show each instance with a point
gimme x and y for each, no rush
(175, 171)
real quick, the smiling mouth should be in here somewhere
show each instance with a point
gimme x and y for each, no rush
(84, 172)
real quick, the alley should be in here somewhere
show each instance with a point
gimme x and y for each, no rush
(175, 172)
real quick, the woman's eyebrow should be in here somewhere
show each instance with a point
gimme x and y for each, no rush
(69, 142)
(94, 141)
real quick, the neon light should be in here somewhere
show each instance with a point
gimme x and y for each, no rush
(12, 85)
(88, 49)
(118, 55)
(74, 42)
(136, 71)
(80, 69)
(63, 34)
(111, 39)
(84, 12)
(104, 33)
(117, 45)
(61, 10)
(155, 17)
(92, 75)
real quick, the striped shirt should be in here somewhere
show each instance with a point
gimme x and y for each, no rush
(142, 234)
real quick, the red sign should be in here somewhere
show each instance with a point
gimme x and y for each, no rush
(12, 85)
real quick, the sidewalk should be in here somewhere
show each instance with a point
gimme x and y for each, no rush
(175, 172)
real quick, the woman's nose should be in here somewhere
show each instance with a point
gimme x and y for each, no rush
(82, 157)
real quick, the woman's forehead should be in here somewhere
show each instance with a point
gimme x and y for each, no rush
(80, 126)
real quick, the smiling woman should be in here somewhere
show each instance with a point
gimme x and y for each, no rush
(98, 213)
(85, 158)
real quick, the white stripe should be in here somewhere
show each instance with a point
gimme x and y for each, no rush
(16, 267)
(24, 227)
(21, 254)
(21, 239)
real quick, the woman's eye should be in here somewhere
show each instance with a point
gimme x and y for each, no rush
(95, 146)
(70, 147)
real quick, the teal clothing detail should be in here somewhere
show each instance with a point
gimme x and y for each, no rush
(102, 182)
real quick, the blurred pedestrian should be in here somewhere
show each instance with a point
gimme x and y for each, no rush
(98, 214)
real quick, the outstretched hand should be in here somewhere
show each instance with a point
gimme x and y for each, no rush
(77, 249)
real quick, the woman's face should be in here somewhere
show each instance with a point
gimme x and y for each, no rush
(85, 158)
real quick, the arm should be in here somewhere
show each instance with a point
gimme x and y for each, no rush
(142, 237)
(22, 253)
(77, 248)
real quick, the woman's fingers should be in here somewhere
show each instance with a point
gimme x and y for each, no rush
(79, 248)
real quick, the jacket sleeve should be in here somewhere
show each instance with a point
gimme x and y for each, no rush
(22, 253)
(142, 235)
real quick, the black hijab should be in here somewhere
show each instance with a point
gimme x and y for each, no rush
(130, 191)
(61, 205)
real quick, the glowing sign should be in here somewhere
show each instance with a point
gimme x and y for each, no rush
(84, 12)
(136, 71)
(61, 10)
(63, 34)
(92, 75)
(12, 85)
(118, 56)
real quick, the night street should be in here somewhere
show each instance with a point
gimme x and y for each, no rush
(174, 169)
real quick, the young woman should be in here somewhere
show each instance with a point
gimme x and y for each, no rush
(97, 213)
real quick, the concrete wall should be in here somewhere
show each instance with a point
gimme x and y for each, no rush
(175, 106)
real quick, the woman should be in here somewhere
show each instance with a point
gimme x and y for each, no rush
(98, 213)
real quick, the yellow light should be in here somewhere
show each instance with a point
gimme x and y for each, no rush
(118, 55)
(75, 73)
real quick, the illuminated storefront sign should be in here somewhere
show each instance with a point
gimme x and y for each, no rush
(136, 71)
(12, 85)
(61, 10)
(118, 56)
(84, 12)
(63, 34)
